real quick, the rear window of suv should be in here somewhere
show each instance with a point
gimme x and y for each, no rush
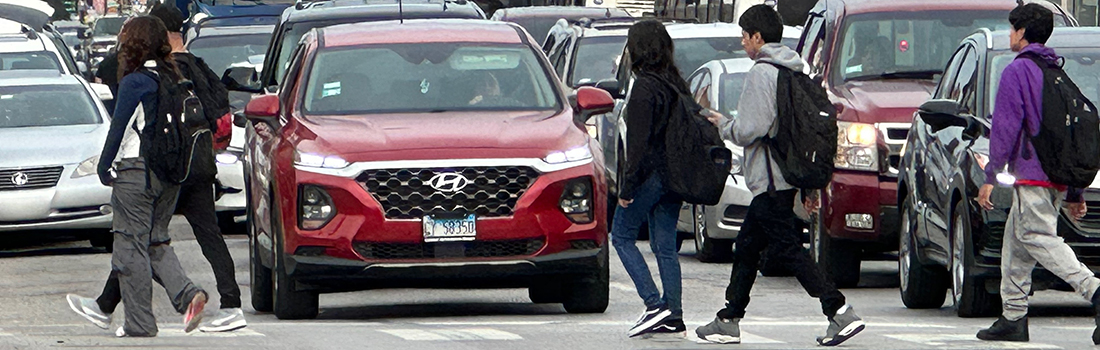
(434, 77)
(905, 44)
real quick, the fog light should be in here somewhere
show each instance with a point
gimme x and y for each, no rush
(860, 221)
(315, 207)
(576, 200)
(106, 209)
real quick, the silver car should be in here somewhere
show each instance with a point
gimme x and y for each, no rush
(53, 127)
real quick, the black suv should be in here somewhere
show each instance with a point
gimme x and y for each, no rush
(305, 16)
(947, 241)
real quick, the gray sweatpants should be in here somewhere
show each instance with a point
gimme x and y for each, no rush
(1031, 236)
(142, 252)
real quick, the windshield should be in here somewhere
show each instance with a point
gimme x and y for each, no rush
(108, 26)
(46, 105)
(732, 85)
(1080, 65)
(220, 52)
(432, 77)
(919, 43)
(29, 60)
(597, 59)
(692, 53)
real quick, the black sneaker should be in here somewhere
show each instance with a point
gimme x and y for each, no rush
(1005, 330)
(649, 319)
(669, 328)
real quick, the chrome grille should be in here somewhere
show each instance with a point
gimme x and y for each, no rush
(12, 179)
(474, 249)
(491, 191)
(894, 135)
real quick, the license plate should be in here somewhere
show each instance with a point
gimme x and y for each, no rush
(450, 230)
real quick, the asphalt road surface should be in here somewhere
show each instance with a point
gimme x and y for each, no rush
(35, 275)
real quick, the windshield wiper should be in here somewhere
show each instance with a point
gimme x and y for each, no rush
(917, 74)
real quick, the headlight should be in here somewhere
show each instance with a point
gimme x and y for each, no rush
(87, 167)
(319, 161)
(315, 207)
(576, 200)
(857, 147)
(572, 155)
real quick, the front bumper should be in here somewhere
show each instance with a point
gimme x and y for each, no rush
(332, 274)
(70, 205)
(862, 193)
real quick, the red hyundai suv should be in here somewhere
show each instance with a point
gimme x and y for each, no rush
(425, 154)
(879, 61)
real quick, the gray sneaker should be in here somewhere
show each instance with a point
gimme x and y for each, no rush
(721, 331)
(845, 325)
(225, 320)
(89, 309)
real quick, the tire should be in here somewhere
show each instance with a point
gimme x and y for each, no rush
(839, 259)
(289, 304)
(104, 240)
(259, 275)
(968, 292)
(709, 250)
(589, 294)
(922, 286)
(547, 292)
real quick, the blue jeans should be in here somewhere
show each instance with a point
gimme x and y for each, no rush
(661, 210)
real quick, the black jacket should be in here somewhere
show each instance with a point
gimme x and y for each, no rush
(207, 85)
(647, 111)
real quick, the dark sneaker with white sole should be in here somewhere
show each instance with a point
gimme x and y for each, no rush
(668, 329)
(649, 319)
(225, 320)
(721, 331)
(89, 309)
(845, 325)
(1005, 330)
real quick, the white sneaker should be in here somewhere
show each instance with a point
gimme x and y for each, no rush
(225, 320)
(87, 308)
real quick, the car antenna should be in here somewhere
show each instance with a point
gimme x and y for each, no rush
(401, 11)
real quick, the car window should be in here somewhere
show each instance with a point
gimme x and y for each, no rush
(700, 87)
(46, 105)
(108, 26)
(964, 85)
(221, 52)
(692, 53)
(813, 44)
(29, 60)
(538, 27)
(1081, 65)
(597, 59)
(560, 60)
(66, 56)
(731, 85)
(943, 87)
(428, 78)
(879, 45)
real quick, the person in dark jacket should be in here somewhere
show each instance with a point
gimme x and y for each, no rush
(143, 203)
(1031, 232)
(642, 194)
(196, 196)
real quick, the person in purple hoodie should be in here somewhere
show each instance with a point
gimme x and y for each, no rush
(1031, 233)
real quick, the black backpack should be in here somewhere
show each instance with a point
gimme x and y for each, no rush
(691, 139)
(177, 131)
(805, 141)
(1068, 142)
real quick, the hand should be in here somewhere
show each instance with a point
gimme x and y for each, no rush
(714, 117)
(811, 204)
(625, 202)
(1077, 210)
(983, 196)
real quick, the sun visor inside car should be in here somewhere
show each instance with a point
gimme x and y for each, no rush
(484, 59)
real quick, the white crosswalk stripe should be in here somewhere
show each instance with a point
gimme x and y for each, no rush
(452, 334)
(964, 341)
(177, 332)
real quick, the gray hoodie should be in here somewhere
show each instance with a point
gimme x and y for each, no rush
(756, 116)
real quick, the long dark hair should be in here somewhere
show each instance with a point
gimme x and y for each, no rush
(652, 51)
(143, 39)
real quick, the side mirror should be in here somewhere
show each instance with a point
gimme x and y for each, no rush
(102, 91)
(239, 119)
(612, 86)
(974, 129)
(242, 79)
(592, 101)
(941, 114)
(263, 109)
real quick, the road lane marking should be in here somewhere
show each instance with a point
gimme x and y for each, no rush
(452, 334)
(177, 332)
(965, 341)
(622, 287)
(746, 338)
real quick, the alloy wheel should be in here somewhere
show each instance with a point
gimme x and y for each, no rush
(905, 251)
(700, 227)
(958, 263)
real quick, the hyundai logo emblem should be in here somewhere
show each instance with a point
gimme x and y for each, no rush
(448, 182)
(19, 178)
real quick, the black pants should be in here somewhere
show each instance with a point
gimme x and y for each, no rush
(196, 203)
(770, 221)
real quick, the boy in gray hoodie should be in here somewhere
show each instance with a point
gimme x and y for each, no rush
(770, 219)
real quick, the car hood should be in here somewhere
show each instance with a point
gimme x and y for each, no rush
(882, 101)
(50, 145)
(481, 134)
